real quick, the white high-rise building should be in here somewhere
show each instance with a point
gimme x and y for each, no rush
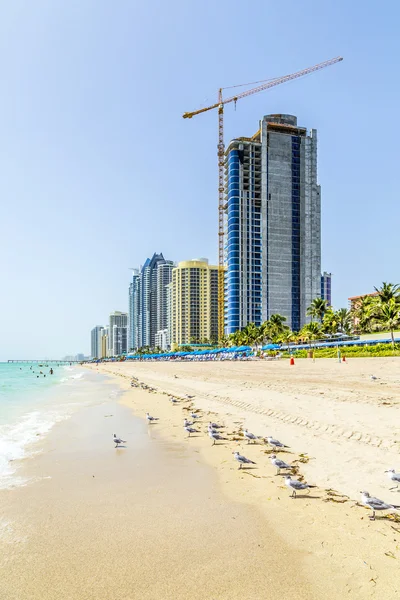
(134, 311)
(95, 348)
(118, 333)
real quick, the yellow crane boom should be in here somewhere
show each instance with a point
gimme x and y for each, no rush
(221, 163)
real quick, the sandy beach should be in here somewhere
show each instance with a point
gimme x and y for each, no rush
(169, 517)
(343, 421)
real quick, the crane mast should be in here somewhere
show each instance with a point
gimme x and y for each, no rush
(221, 165)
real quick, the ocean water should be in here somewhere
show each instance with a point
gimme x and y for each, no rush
(29, 408)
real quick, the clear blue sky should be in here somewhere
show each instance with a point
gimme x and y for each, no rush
(98, 169)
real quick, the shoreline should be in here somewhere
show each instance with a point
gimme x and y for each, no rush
(329, 526)
(148, 521)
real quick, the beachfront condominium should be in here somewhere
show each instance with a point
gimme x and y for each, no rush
(95, 341)
(134, 307)
(326, 287)
(118, 333)
(152, 315)
(194, 303)
(273, 224)
(164, 278)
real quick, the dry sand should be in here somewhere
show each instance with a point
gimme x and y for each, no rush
(346, 423)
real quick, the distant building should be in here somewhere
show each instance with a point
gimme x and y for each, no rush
(134, 311)
(326, 287)
(162, 339)
(194, 302)
(103, 344)
(118, 334)
(80, 357)
(95, 339)
(153, 277)
(354, 304)
(273, 224)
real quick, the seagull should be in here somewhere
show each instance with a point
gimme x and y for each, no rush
(215, 436)
(195, 416)
(215, 425)
(118, 441)
(249, 436)
(279, 464)
(375, 504)
(275, 443)
(373, 378)
(187, 423)
(151, 419)
(296, 485)
(188, 397)
(174, 400)
(190, 430)
(394, 477)
(242, 460)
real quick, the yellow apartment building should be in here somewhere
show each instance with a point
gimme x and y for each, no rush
(193, 303)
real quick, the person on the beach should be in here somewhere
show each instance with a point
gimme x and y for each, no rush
(51, 371)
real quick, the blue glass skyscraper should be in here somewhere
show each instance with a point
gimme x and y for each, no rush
(273, 224)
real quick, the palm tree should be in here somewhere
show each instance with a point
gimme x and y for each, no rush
(388, 291)
(330, 321)
(317, 309)
(343, 319)
(363, 313)
(389, 316)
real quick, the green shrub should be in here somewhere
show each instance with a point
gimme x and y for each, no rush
(349, 351)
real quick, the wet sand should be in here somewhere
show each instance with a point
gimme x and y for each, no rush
(148, 521)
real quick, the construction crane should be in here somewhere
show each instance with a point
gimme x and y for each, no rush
(265, 85)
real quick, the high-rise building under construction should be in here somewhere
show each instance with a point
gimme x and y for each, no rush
(273, 224)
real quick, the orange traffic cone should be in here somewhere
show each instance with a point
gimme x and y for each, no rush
(291, 360)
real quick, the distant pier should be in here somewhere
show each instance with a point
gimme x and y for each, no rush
(46, 362)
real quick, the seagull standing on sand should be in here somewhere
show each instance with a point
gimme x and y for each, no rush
(394, 477)
(275, 443)
(375, 504)
(174, 400)
(250, 437)
(296, 485)
(215, 425)
(187, 423)
(242, 460)
(118, 441)
(215, 436)
(373, 378)
(190, 430)
(278, 463)
(150, 418)
(195, 416)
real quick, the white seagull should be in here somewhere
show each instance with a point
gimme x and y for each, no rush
(187, 423)
(215, 425)
(375, 504)
(275, 443)
(150, 418)
(242, 460)
(394, 477)
(174, 400)
(278, 463)
(249, 436)
(296, 485)
(195, 416)
(215, 436)
(118, 441)
(190, 430)
(373, 378)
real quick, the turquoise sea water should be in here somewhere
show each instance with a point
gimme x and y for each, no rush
(29, 407)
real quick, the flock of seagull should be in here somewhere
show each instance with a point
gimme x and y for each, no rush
(214, 431)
